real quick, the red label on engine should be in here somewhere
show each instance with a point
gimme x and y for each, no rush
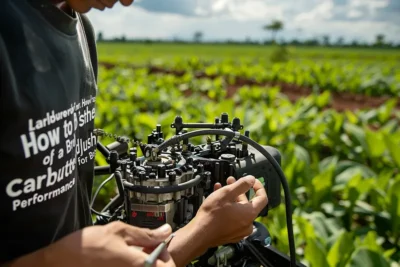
(147, 219)
(152, 214)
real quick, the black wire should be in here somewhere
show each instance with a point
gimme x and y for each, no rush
(288, 203)
(99, 213)
(95, 195)
(264, 262)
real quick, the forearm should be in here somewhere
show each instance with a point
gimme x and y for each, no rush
(33, 259)
(189, 242)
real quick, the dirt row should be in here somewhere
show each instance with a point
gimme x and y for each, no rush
(340, 101)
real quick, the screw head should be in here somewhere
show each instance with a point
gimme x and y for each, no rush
(267, 241)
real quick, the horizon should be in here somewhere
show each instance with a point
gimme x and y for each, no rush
(235, 20)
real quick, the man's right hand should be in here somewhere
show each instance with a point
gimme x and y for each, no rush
(227, 216)
(114, 244)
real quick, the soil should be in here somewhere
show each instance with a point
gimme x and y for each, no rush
(340, 101)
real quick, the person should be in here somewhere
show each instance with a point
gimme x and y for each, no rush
(48, 68)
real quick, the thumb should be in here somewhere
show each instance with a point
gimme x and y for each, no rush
(151, 238)
(163, 231)
(144, 237)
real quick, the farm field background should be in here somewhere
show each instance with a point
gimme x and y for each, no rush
(333, 113)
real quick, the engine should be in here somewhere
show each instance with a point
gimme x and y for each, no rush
(170, 187)
(171, 178)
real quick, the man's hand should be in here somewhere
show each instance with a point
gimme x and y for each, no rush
(115, 244)
(226, 216)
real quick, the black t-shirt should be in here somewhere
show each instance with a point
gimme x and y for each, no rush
(48, 91)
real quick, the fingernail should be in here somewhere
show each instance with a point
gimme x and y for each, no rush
(165, 229)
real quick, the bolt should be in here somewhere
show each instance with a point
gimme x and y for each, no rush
(267, 241)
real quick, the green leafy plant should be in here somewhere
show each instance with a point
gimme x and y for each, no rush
(342, 167)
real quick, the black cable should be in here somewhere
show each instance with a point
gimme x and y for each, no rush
(163, 189)
(96, 193)
(99, 188)
(99, 213)
(288, 203)
(264, 262)
(113, 204)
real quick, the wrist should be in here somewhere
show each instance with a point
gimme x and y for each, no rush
(189, 242)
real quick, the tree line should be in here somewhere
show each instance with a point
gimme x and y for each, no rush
(274, 27)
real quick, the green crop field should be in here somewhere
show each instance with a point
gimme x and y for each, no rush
(139, 53)
(333, 113)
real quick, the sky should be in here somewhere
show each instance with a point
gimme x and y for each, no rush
(240, 19)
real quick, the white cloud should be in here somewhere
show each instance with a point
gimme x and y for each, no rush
(322, 11)
(238, 19)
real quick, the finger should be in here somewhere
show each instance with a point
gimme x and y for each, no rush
(135, 257)
(161, 263)
(242, 197)
(165, 256)
(249, 230)
(126, 2)
(233, 191)
(108, 3)
(98, 5)
(217, 186)
(230, 180)
(260, 199)
(163, 260)
(142, 237)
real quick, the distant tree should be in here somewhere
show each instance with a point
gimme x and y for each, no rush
(380, 40)
(295, 42)
(340, 41)
(275, 26)
(311, 42)
(198, 36)
(248, 40)
(326, 40)
(355, 43)
(100, 37)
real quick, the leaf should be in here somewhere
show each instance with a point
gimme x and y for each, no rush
(385, 110)
(328, 162)
(323, 99)
(341, 251)
(315, 253)
(301, 154)
(369, 241)
(393, 148)
(351, 117)
(321, 185)
(393, 200)
(348, 174)
(318, 220)
(345, 164)
(363, 257)
(358, 133)
(146, 120)
(376, 145)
